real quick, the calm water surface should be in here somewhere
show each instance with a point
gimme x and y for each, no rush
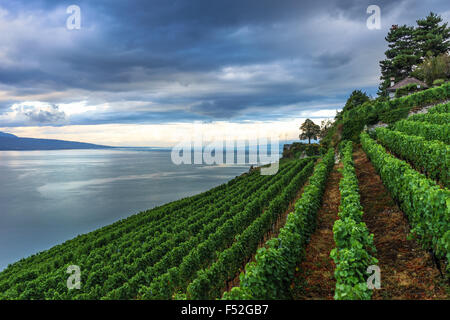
(47, 197)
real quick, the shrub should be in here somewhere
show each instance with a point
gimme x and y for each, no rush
(438, 82)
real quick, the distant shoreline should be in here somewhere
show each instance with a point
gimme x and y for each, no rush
(10, 142)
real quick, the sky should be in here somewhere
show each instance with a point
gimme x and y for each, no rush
(148, 73)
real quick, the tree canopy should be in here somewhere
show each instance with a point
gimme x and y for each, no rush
(400, 57)
(309, 130)
(431, 37)
(357, 97)
(409, 46)
(433, 68)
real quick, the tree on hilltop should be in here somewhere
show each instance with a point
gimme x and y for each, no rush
(410, 46)
(400, 57)
(309, 130)
(431, 37)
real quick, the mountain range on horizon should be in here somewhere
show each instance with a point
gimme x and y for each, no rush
(10, 142)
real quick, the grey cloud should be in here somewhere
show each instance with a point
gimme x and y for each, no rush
(141, 50)
(333, 59)
(51, 116)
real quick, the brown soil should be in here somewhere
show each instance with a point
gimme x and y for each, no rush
(274, 232)
(281, 220)
(314, 276)
(407, 271)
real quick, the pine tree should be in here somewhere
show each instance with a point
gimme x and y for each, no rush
(431, 37)
(400, 57)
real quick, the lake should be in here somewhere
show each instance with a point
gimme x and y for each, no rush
(48, 197)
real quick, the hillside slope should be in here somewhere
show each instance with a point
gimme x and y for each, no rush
(11, 142)
(174, 241)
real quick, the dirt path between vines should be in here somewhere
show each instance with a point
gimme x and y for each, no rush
(407, 271)
(274, 232)
(314, 277)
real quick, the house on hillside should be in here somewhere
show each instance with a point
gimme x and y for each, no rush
(409, 81)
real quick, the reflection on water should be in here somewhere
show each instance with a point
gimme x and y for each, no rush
(60, 188)
(47, 197)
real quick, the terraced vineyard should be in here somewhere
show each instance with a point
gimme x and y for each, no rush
(232, 242)
(412, 158)
(417, 174)
(169, 244)
(415, 170)
(270, 275)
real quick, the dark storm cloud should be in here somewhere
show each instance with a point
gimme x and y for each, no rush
(168, 53)
(332, 59)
